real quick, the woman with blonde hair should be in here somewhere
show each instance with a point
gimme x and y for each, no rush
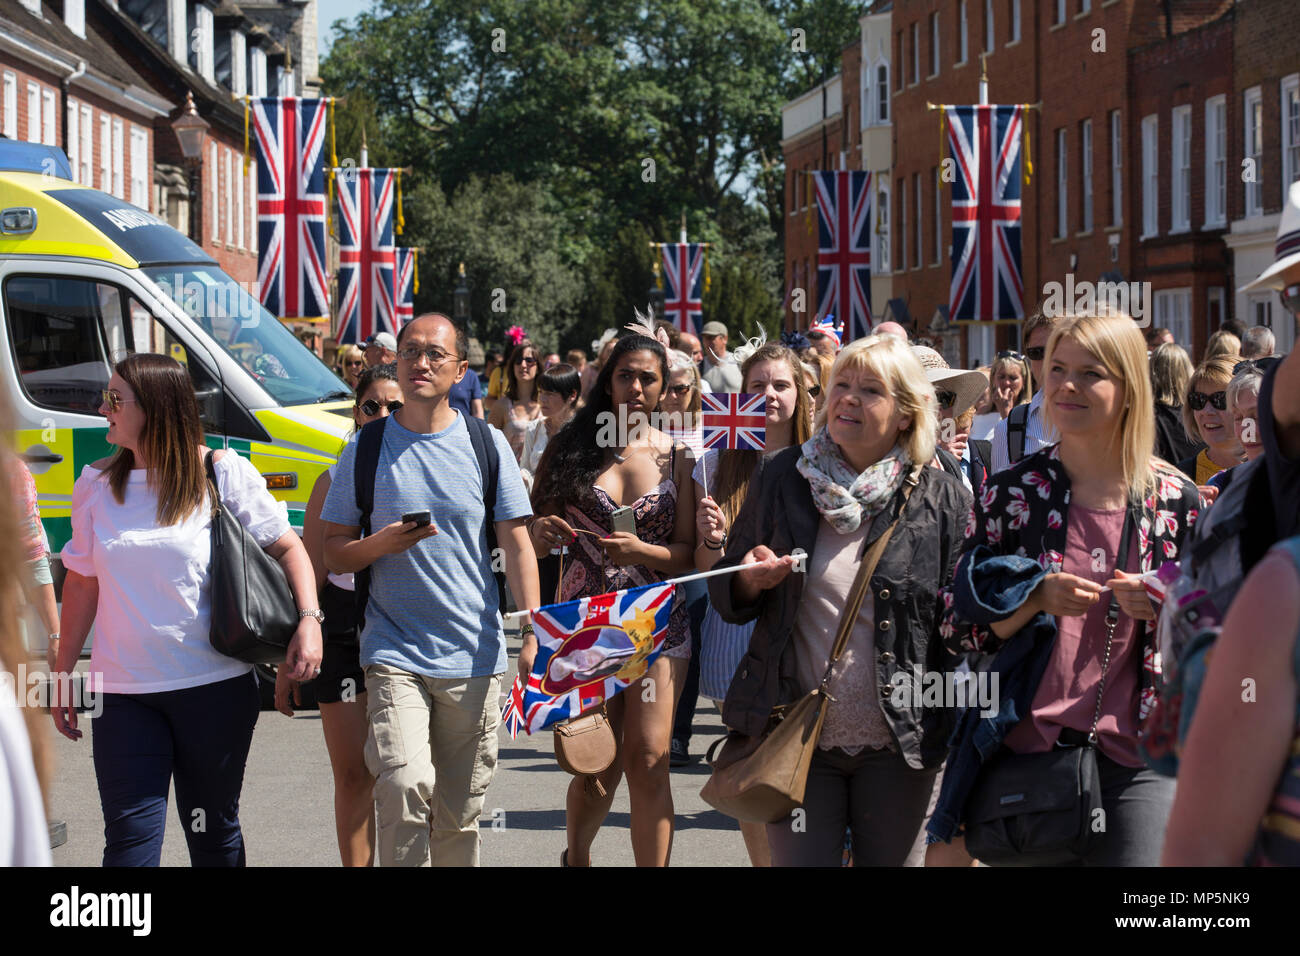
(1171, 370)
(1222, 344)
(861, 473)
(1208, 418)
(1048, 588)
(352, 362)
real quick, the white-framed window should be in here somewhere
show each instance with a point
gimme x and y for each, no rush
(1150, 177)
(962, 33)
(140, 167)
(213, 172)
(1085, 165)
(938, 217)
(227, 187)
(934, 43)
(257, 72)
(1290, 131)
(119, 159)
(1116, 169)
(1260, 308)
(49, 116)
(919, 232)
(240, 239)
(916, 53)
(1015, 21)
(1173, 310)
(880, 238)
(252, 207)
(238, 63)
(204, 37)
(1062, 186)
(902, 225)
(1216, 161)
(178, 31)
(882, 93)
(1253, 128)
(1180, 199)
(988, 26)
(73, 145)
(87, 146)
(1085, 6)
(980, 339)
(105, 154)
(10, 105)
(1058, 12)
(33, 112)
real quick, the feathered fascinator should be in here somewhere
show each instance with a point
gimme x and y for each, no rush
(643, 324)
(741, 353)
(598, 344)
(515, 334)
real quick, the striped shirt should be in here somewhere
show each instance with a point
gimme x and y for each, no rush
(1038, 435)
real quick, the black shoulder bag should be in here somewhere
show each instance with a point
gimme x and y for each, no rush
(254, 614)
(1038, 809)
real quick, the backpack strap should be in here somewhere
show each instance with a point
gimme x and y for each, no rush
(489, 464)
(1017, 427)
(370, 441)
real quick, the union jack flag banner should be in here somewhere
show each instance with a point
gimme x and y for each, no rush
(844, 249)
(987, 282)
(291, 274)
(684, 296)
(367, 258)
(588, 650)
(405, 297)
(827, 326)
(734, 420)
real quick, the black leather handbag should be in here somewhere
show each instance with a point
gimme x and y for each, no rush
(1041, 809)
(254, 615)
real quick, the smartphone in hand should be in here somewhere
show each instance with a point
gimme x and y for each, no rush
(421, 518)
(623, 519)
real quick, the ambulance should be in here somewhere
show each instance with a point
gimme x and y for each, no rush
(87, 279)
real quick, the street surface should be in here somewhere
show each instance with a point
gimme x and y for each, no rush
(287, 809)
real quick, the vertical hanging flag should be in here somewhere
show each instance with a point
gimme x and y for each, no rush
(684, 297)
(987, 282)
(367, 259)
(405, 296)
(844, 249)
(588, 650)
(291, 273)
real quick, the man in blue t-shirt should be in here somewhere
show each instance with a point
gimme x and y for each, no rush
(432, 647)
(466, 396)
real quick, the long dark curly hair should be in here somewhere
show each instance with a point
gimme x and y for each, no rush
(573, 459)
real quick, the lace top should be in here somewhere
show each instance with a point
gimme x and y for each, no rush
(516, 428)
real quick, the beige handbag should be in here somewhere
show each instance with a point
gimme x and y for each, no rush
(762, 779)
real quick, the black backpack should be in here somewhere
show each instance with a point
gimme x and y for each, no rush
(1017, 425)
(369, 442)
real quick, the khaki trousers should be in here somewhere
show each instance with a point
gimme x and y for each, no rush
(432, 747)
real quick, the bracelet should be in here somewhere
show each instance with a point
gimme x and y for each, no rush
(716, 547)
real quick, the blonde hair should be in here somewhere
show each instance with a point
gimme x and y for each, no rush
(1171, 370)
(1116, 342)
(892, 361)
(1213, 371)
(1222, 343)
(1026, 376)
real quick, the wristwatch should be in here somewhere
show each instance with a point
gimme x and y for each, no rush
(315, 612)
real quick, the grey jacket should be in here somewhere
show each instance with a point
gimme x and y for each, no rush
(779, 512)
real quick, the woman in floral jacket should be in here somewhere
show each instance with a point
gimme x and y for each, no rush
(1049, 544)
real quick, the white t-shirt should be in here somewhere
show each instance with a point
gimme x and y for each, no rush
(24, 834)
(151, 623)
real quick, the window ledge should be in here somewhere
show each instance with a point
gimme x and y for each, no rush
(959, 64)
(1057, 240)
(1215, 224)
(932, 76)
(1056, 26)
(1013, 43)
(1117, 227)
(1083, 13)
(1086, 234)
(1180, 231)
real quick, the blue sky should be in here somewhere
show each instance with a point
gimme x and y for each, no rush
(327, 11)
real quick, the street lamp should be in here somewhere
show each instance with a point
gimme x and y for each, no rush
(460, 300)
(190, 129)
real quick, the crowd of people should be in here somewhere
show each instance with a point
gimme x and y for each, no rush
(1026, 512)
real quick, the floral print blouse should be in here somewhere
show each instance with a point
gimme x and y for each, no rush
(1023, 510)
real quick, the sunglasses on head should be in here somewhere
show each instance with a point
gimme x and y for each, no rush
(1258, 364)
(946, 398)
(1199, 400)
(1011, 354)
(115, 401)
(372, 407)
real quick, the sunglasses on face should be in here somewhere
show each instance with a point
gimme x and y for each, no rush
(681, 391)
(1260, 364)
(1199, 400)
(1035, 353)
(356, 362)
(371, 407)
(946, 399)
(115, 401)
(526, 361)
(814, 390)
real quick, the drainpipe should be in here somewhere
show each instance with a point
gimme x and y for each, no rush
(65, 85)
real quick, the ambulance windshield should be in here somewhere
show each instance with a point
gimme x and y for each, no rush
(271, 353)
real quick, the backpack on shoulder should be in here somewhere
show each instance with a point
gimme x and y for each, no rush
(370, 441)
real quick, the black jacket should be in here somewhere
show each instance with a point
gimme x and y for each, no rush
(779, 512)
(1172, 441)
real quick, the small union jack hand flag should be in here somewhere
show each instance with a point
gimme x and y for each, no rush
(734, 420)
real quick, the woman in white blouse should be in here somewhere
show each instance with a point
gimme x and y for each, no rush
(558, 391)
(138, 567)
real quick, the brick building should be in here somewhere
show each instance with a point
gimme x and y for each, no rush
(1265, 128)
(1180, 112)
(843, 123)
